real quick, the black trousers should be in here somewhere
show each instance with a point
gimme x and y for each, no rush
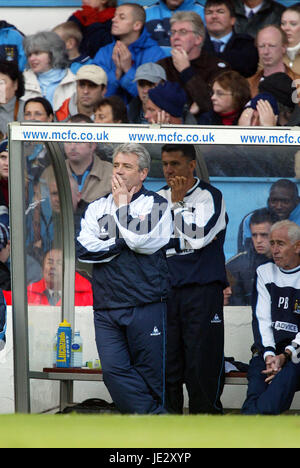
(195, 348)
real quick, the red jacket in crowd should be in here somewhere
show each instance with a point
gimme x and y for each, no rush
(36, 293)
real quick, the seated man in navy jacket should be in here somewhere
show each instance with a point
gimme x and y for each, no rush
(238, 50)
(274, 372)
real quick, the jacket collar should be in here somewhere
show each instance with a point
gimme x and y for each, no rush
(240, 10)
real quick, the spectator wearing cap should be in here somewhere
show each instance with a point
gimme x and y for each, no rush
(281, 86)
(166, 104)
(91, 83)
(147, 77)
(189, 65)
(271, 43)
(262, 110)
(222, 41)
(252, 15)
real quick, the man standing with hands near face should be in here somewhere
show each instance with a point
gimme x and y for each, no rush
(123, 235)
(195, 328)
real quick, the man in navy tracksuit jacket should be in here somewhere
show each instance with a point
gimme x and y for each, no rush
(195, 327)
(274, 371)
(123, 234)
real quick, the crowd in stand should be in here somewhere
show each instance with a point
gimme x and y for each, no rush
(213, 62)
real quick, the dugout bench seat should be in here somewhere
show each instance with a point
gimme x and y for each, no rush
(236, 378)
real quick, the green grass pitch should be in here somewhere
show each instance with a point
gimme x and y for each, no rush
(117, 431)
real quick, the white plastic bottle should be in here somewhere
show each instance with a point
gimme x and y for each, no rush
(76, 353)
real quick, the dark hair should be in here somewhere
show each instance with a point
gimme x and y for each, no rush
(262, 215)
(287, 185)
(295, 7)
(11, 69)
(118, 107)
(79, 118)
(188, 151)
(228, 3)
(44, 102)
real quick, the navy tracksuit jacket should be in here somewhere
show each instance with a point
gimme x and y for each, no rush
(130, 287)
(276, 322)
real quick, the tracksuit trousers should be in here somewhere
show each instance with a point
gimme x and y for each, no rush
(270, 398)
(131, 347)
(195, 348)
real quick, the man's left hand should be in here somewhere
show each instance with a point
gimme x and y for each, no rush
(274, 364)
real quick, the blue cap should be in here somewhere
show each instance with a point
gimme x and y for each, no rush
(265, 97)
(169, 96)
(3, 146)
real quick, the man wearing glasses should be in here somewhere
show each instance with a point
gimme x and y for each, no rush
(158, 18)
(189, 65)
